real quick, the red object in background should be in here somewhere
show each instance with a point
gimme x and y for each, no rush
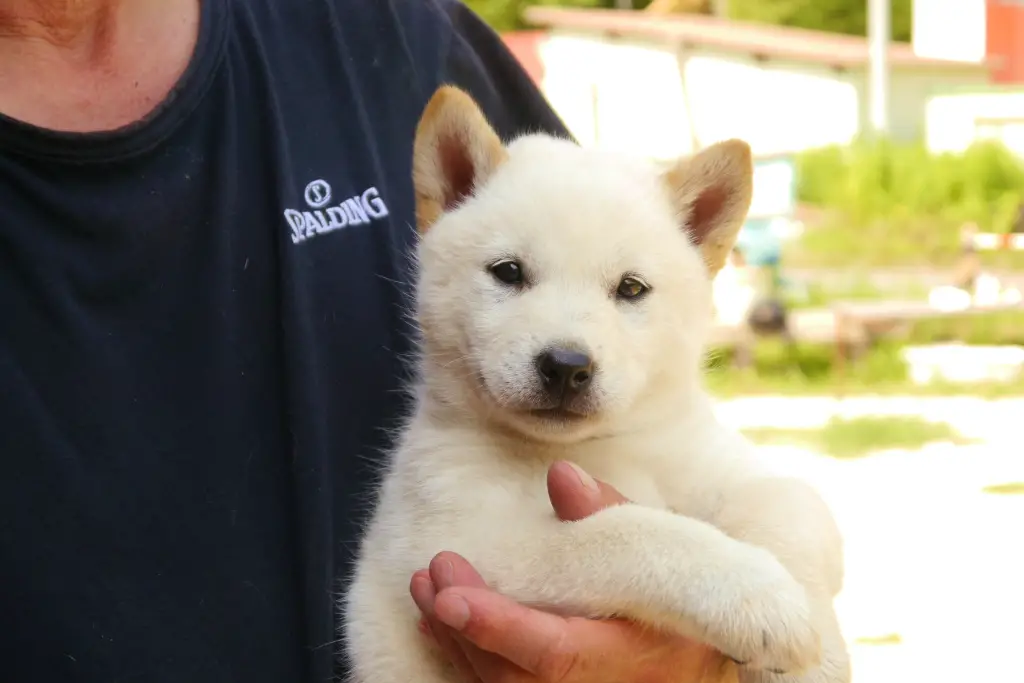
(524, 45)
(1004, 39)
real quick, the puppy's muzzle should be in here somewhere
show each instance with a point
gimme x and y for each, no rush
(564, 374)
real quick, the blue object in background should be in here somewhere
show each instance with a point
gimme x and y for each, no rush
(774, 200)
(759, 243)
(771, 210)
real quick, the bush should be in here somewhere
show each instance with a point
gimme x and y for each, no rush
(810, 368)
(805, 368)
(896, 203)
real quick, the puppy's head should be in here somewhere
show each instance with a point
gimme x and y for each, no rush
(562, 291)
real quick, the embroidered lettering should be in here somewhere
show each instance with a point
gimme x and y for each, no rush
(319, 218)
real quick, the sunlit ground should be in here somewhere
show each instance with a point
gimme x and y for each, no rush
(934, 527)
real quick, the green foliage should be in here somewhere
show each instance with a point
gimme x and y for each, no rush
(811, 368)
(506, 15)
(880, 180)
(1010, 488)
(858, 437)
(807, 368)
(860, 288)
(861, 436)
(887, 639)
(898, 203)
(999, 328)
(502, 15)
(838, 16)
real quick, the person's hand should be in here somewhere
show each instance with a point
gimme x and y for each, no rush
(492, 639)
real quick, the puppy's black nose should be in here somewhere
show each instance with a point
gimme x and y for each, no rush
(564, 372)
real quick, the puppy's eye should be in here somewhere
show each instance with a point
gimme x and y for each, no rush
(631, 288)
(507, 271)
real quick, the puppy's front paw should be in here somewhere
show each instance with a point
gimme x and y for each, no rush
(761, 618)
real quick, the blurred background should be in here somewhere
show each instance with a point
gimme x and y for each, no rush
(870, 323)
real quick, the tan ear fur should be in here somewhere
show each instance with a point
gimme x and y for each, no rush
(712, 191)
(455, 151)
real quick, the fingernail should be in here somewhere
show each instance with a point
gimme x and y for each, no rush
(585, 479)
(445, 574)
(423, 593)
(453, 611)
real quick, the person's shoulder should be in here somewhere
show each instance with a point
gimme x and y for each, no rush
(416, 45)
(448, 43)
(474, 57)
(433, 22)
(382, 36)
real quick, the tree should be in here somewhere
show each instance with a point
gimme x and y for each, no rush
(837, 16)
(505, 15)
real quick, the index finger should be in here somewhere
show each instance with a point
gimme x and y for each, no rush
(550, 647)
(575, 494)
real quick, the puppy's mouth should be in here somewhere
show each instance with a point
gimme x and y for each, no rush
(537, 407)
(557, 414)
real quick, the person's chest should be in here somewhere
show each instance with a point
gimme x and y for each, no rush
(266, 216)
(201, 346)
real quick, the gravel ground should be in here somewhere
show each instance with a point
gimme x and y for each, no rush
(929, 555)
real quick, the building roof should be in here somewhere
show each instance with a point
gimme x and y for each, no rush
(758, 39)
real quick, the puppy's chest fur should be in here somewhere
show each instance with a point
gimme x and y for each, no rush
(636, 484)
(457, 490)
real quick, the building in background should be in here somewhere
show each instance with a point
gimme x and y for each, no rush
(974, 31)
(1004, 39)
(666, 85)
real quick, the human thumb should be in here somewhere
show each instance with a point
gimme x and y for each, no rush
(575, 494)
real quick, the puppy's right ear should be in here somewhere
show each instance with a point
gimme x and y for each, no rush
(456, 150)
(712, 191)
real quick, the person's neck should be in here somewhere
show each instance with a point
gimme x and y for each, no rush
(89, 65)
(85, 28)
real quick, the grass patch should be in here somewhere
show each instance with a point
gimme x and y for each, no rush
(1010, 488)
(887, 639)
(859, 437)
(844, 241)
(858, 287)
(809, 369)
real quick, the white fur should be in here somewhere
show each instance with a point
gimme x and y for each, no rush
(713, 546)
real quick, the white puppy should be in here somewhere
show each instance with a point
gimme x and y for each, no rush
(564, 297)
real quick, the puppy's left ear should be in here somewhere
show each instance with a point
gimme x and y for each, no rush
(712, 191)
(456, 150)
